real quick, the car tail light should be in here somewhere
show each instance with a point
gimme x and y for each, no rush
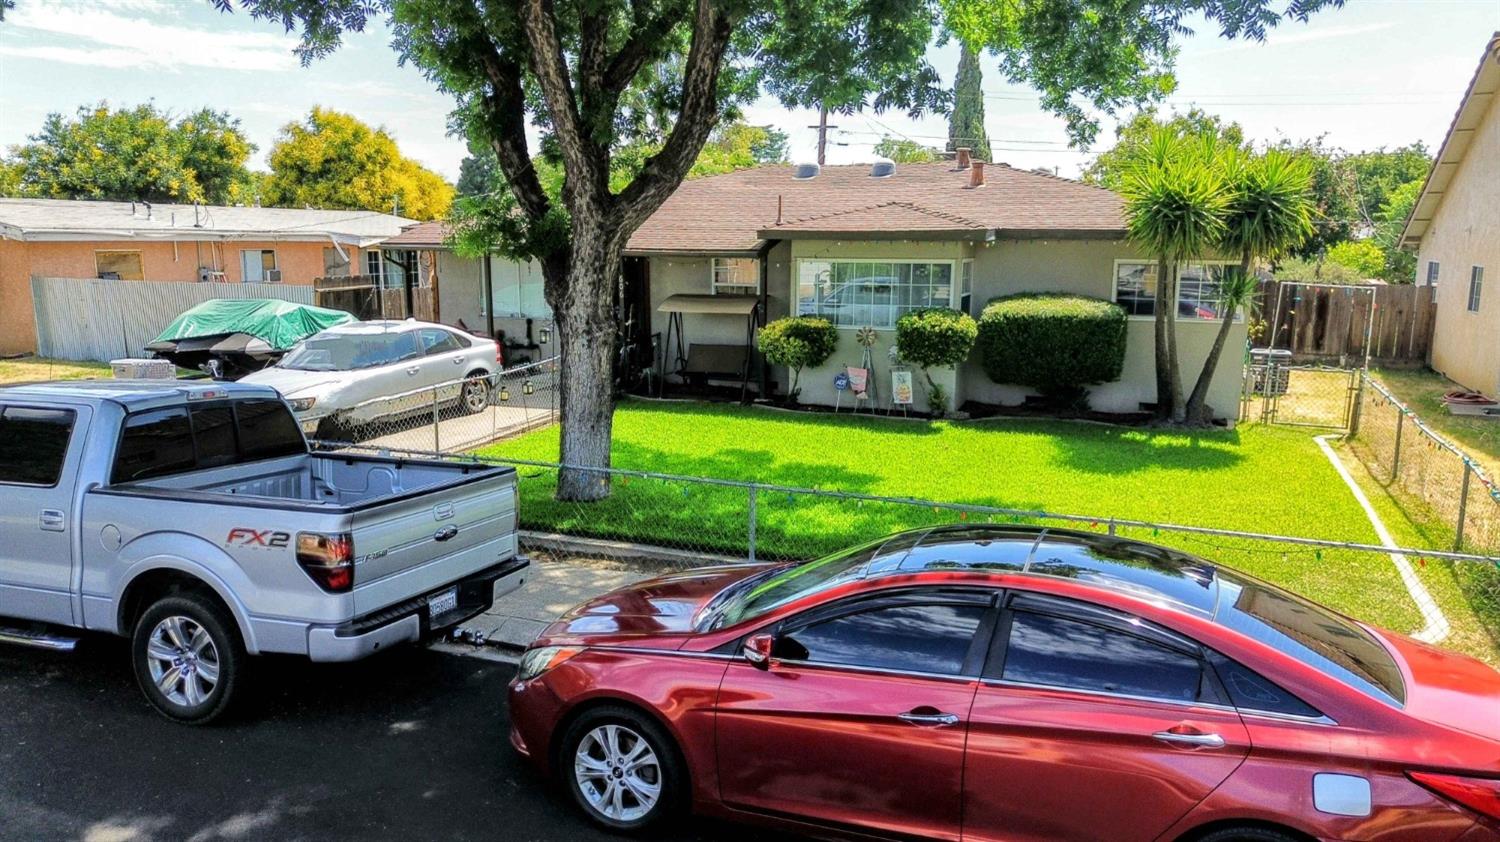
(327, 559)
(499, 355)
(1482, 795)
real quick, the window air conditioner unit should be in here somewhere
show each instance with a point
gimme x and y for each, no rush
(273, 276)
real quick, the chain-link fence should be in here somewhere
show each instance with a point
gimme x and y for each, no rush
(449, 416)
(1298, 395)
(688, 521)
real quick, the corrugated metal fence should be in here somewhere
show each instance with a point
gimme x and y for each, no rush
(89, 319)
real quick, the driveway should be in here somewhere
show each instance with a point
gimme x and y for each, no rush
(410, 745)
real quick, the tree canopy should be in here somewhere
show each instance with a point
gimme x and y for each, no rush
(128, 154)
(1110, 167)
(905, 151)
(332, 160)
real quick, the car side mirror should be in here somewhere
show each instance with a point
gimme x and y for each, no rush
(757, 650)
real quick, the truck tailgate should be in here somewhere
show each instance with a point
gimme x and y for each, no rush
(417, 544)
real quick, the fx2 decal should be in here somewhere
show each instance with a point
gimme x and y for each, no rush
(242, 536)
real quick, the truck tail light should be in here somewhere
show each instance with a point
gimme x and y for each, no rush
(1482, 795)
(327, 559)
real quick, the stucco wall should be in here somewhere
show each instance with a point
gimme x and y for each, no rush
(1465, 232)
(17, 319)
(692, 276)
(461, 288)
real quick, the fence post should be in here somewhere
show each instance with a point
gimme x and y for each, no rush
(1359, 402)
(1463, 509)
(1396, 456)
(753, 505)
(437, 440)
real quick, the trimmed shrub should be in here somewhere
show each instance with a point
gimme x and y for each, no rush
(796, 342)
(935, 336)
(1056, 344)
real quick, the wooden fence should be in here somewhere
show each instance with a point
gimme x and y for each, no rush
(367, 299)
(91, 319)
(1330, 324)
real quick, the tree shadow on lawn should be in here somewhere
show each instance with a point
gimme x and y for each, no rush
(1118, 450)
(743, 465)
(891, 424)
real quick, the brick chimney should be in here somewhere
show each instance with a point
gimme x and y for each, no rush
(963, 157)
(976, 174)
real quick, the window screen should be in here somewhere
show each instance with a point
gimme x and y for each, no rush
(34, 444)
(910, 638)
(1071, 654)
(1476, 287)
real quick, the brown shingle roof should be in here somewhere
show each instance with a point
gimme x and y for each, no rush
(736, 211)
(421, 235)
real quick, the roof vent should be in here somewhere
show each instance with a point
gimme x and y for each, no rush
(883, 169)
(803, 172)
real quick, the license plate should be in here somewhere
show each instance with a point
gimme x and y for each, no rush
(442, 603)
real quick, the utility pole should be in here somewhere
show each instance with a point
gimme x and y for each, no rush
(822, 128)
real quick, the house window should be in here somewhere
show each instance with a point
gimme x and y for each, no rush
(390, 265)
(857, 293)
(517, 291)
(736, 276)
(1197, 288)
(1476, 286)
(259, 266)
(1432, 273)
(372, 263)
(966, 286)
(334, 265)
(119, 266)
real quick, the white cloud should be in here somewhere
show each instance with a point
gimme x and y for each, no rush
(100, 37)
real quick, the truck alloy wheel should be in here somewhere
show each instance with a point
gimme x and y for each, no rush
(187, 656)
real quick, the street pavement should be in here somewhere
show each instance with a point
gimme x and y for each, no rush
(410, 745)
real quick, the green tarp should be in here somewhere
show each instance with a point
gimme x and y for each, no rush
(281, 324)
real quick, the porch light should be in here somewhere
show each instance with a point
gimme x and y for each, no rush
(504, 393)
(527, 388)
(546, 334)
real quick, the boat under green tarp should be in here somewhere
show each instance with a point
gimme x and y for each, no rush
(281, 324)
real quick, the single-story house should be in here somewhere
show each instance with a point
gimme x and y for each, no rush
(137, 241)
(861, 245)
(517, 310)
(1455, 229)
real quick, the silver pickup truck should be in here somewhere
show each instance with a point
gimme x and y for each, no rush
(193, 519)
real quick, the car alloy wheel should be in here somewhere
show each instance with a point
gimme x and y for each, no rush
(618, 773)
(476, 394)
(183, 661)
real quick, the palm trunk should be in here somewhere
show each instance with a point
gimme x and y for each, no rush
(586, 336)
(1197, 405)
(1168, 376)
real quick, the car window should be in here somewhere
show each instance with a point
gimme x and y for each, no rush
(1053, 651)
(268, 430)
(154, 444)
(336, 351)
(1312, 634)
(435, 341)
(34, 444)
(929, 638)
(1252, 692)
(214, 436)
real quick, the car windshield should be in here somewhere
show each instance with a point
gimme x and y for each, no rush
(759, 595)
(348, 352)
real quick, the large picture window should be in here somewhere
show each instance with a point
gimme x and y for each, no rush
(856, 293)
(1197, 288)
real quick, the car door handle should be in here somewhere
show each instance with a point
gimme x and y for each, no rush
(414, 370)
(1189, 739)
(52, 520)
(935, 719)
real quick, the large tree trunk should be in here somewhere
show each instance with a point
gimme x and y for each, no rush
(1197, 405)
(586, 336)
(1168, 376)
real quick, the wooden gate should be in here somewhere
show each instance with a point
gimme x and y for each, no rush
(1340, 324)
(367, 299)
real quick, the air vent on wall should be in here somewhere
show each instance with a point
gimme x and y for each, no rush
(803, 172)
(882, 169)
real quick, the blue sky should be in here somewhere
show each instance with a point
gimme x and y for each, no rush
(1376, 73)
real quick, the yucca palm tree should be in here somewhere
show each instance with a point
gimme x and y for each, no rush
(1268, 213)
(1174, 204)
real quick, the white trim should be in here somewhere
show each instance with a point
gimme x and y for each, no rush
(1114, 289)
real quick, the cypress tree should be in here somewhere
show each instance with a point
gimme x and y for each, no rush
(966, 123)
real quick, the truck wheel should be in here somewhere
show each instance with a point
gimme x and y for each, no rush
(188, 656)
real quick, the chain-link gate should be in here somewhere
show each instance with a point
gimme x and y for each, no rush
(1276, 392)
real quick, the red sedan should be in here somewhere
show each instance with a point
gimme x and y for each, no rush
(1007, 683)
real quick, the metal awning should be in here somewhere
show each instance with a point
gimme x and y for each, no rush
(724, 305)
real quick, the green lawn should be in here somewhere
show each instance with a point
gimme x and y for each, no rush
(1422, 389)
(33, 369)
(1255, 478)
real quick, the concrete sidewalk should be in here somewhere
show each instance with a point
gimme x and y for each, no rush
(555, 585)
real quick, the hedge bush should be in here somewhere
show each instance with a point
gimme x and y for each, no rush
(796, 342)
(1056, 344)
(935, 336)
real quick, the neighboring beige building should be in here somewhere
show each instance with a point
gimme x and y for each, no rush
(916, 235)
(1455, 228)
